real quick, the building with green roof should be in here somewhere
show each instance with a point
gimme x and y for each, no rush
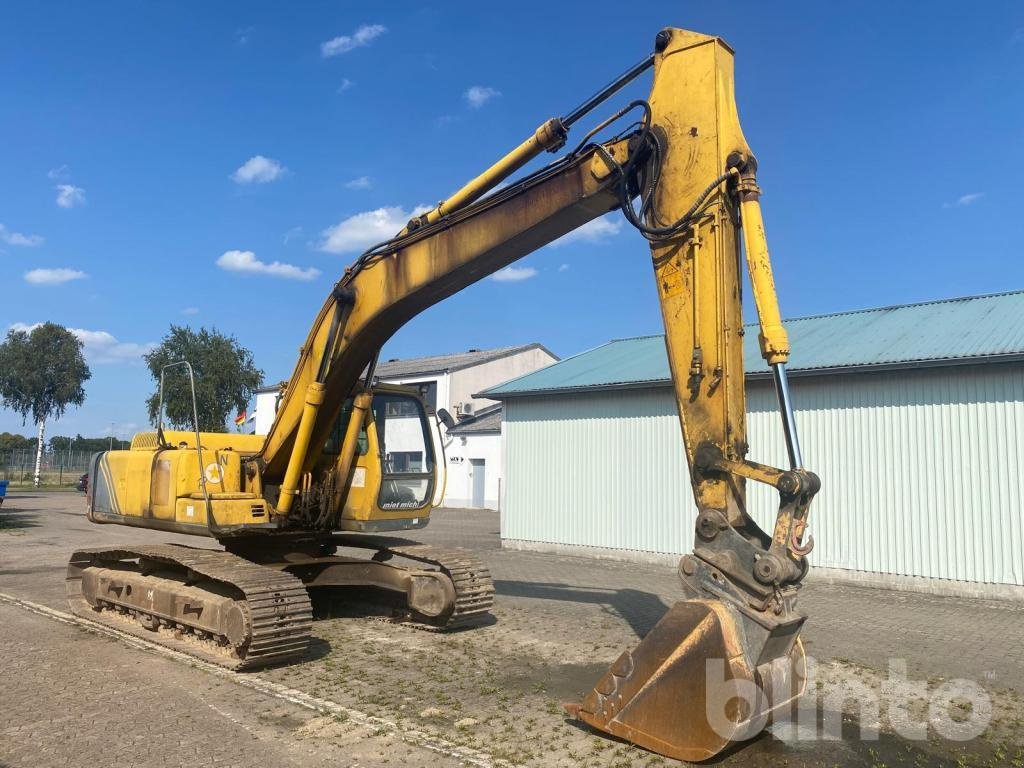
(913, 416)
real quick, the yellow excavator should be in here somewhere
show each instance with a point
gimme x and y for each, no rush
(348, 460)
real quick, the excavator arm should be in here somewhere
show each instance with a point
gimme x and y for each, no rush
(389, 285)
(685, 178)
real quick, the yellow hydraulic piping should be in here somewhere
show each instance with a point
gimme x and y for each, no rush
(314, 399)
(549, 136)
(360, 405)
(773, 337)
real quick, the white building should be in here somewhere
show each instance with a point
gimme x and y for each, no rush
(264, 408)
(913, 416)
(473, 445)
(473, 455)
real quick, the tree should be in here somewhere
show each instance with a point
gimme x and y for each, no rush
(41, 374)
(60, 443)
(12, 442)
(224, 372)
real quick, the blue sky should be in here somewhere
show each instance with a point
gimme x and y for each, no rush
(216, 163)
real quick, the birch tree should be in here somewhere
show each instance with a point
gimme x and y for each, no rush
(42, 372)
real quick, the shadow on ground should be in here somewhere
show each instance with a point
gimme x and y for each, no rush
(803, 745)
(14, 494)
(641, 610)
(318, 649)
(14, 519)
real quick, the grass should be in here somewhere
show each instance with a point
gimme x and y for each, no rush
(52, 479)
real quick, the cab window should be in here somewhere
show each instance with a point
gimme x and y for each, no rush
(337, 436)
(406, 451)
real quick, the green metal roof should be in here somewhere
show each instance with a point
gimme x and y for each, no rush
(947, 332)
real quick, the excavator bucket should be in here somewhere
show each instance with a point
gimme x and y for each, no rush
(706, 676)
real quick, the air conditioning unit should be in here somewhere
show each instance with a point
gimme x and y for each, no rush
(463, 410)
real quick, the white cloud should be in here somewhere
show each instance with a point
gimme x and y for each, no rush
(363, 36)
(964, 200)
(258, 170)
(596, 231)
(356, 233)
(514, 274)
(17, 238)
(291, 234)
(103, 347)
(246, 261)
(345, 85)
(100, 346)
(478, 95)
(363, 182)
(61, 172)
(563, 268)
(190, 311)
(68, 195)
(53, 276)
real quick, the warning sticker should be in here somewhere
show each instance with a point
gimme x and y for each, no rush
(670, 278)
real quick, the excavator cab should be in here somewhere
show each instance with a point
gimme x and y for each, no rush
(395, 477)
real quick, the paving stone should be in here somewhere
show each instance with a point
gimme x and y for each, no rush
(68, 697)
(938, 636)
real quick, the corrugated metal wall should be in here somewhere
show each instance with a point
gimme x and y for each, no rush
(580, 470)
(921, 470)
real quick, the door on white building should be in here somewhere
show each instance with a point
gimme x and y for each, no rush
(478, 472)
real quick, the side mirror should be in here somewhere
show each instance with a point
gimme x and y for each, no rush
(446, 418)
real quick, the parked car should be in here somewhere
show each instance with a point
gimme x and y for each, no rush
(83, 483)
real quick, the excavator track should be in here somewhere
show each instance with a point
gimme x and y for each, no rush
(269, 612)
(470, 578)
(474, 589)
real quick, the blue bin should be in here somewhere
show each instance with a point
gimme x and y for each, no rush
(3, 490)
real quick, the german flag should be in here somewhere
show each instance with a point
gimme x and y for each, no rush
(240, 419)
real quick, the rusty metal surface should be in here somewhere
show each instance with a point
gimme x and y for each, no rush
(676, 692)
(278, 614)
(159, 597)
(444, 588)
(470, 577)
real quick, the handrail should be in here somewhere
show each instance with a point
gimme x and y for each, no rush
(211, 524)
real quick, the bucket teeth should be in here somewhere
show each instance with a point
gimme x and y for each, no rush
(690, 688)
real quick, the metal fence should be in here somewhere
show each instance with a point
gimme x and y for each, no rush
(18, 466)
